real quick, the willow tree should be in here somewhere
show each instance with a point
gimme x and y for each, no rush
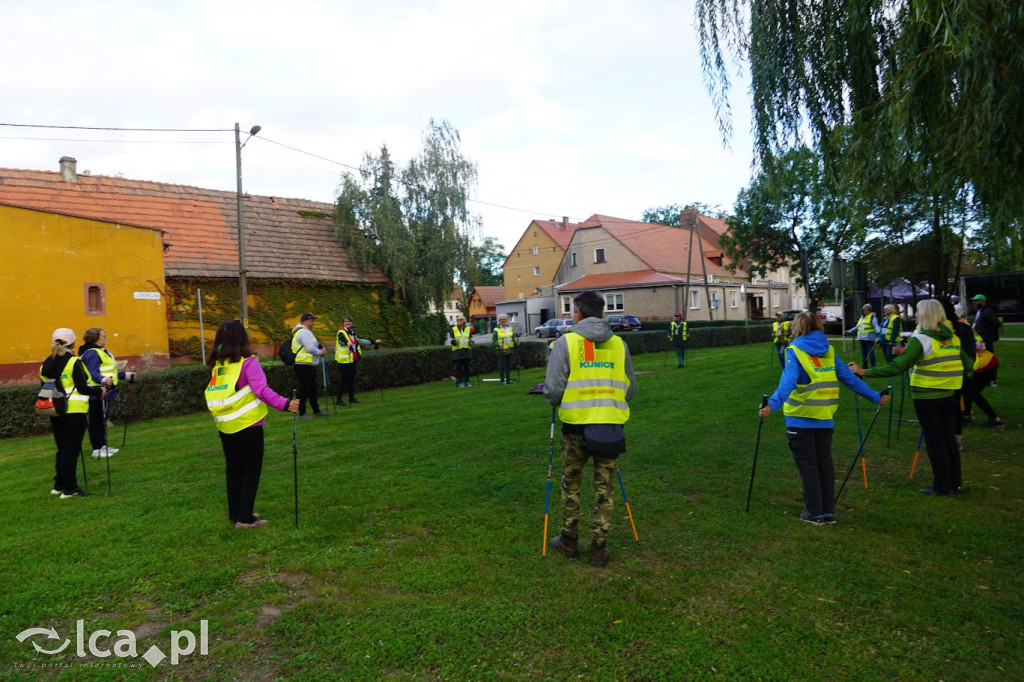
(412, 222)
(938, 79)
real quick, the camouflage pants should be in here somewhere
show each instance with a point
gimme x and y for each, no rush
(574, 457)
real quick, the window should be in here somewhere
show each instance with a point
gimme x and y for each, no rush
(714, 300)
(536, 271)
(572, 259)
(613, 302)
(694, 299)
(775, 299)
(566, 305)
(598, 255)
(536, 249)
(513, 318)
(733, 299)
(95, 298)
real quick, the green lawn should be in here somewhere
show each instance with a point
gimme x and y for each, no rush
(418, 554)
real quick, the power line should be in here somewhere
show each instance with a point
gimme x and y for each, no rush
(144, 130)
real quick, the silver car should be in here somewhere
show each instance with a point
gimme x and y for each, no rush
(554, 327)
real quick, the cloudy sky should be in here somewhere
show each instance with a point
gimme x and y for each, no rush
(568, 108)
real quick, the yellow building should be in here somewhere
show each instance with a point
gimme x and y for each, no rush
(66, 271)
(533, 261)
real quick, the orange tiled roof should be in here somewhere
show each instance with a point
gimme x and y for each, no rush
(559, 230)
(285, 238)
(624, 280)
(666, 249)
(489, 295)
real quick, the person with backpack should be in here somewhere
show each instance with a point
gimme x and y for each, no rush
(237, 397)
(305, 347)
(346, 354)
(101, 367)
(68, 428)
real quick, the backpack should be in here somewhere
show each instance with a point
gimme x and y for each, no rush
(51, 401)
(286, 353)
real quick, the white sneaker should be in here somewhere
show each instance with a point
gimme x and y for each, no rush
(112, 451)
(104, 452)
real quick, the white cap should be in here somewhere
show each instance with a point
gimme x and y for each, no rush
(64, 335)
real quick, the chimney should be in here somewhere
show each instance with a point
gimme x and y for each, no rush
(565, 222)
(68, 171)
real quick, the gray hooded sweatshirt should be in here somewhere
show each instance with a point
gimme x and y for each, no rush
(595, 329)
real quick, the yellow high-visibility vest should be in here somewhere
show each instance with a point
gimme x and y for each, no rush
(676, 325)
(889, 332)
(461, 337)
(232, 410)
(819, 398)
(941, 367)
(77, 403)
(302, 356)
(108, 366)
(596, 390)
(867, 325)
(780, 330)
(345, 350)
(506, 338)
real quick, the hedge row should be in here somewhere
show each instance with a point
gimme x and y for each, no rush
(179, 390)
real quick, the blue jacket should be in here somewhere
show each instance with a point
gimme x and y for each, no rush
(814, 343)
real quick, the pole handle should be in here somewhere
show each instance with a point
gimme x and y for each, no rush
(764, 401)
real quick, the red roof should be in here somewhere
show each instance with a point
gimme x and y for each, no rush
(559, 230)
(286, 239)
(667, 249)
(489, 295)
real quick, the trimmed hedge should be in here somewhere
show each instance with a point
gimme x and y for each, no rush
(179, 390)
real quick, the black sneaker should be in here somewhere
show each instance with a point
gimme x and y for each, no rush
(828, 518)
(994, 424)
(932, 491)
(808, 517)
(77, 492)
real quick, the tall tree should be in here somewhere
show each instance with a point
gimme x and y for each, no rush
(413, 223)
(782, 217)
(940, 78)
(484, 265)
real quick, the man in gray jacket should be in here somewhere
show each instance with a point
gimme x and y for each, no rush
(306, 348)
(590, 380)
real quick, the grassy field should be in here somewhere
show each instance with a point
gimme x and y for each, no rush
(418, 552)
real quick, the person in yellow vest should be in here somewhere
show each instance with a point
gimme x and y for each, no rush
(237, 397)
(936, 362)
(102, 368)
(985, 366)
(69, 428)
(461, 340)
(892, 330)
(307, 352)
(677, 336)
(503, 338)
(590, 380)
(780, 336)
(808, 395)
(868, 330)
(346, 354)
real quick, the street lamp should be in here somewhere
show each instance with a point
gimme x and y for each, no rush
(241, 224)
(746, 308)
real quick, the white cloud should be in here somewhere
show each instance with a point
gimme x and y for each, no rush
(567, 108)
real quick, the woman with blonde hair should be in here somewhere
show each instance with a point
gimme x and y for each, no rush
(808, 393)
(69, 428)
(936, 361)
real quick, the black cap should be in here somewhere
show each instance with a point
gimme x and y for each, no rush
(307, 316)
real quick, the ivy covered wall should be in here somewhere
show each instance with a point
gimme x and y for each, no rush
(275, 308)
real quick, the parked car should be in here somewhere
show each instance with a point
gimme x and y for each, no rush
(624, 323)
(554, 327)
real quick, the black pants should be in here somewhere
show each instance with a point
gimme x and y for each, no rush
(243, 459)
(97, 424)
(307, 388)
(973, 389)
(505, 367)
(462, 369)
(938, 421)
(812, 452)
(68, 432)
(346, 380)
(867, 353)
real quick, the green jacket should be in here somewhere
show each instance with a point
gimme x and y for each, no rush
(913, 352)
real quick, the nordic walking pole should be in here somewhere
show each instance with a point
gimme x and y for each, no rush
(626, 500)
(85, 476)
(757, 446)
(899, 420)
(860, 437)
(323, 371)
(917, 452)
(547, 496)
(888, 436)
(860, 450)
(106, 450)
(295, 456)
(380, 382)
(127, 404)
